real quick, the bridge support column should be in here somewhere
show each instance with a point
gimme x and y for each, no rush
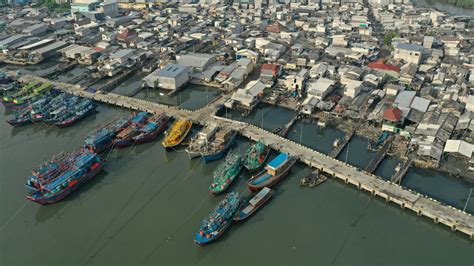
(436, 220)
(359, 185)
(403, 205)
(346, 181)
(387, 199)
(453, 227)
(418, 213)
(372, 192)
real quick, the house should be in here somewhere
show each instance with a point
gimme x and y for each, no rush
(196, 61)
(470, 103)
(459, 146)
(270, 71)
(393, 89)
(295, 83)
(352, 88)
(248, 97)
(320, 88)
(171, 77)
(388, 69)
(404, 100)
(392, 119)
(309, 104)
(410, 53)
(246, 53)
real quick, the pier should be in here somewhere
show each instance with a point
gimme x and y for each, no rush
(338, 149)
(420, 204)
(284, 131)
(398, 176)
(380, 155)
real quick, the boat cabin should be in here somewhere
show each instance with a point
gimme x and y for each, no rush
(277, 164)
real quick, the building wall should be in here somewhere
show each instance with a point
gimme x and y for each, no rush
(407, 56)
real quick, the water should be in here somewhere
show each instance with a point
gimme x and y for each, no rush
(148, 203)
(451, 9)
(191, 97)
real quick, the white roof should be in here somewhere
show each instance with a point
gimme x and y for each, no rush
(405, 98)
(322, 84)
(420, 104)
(459, 146)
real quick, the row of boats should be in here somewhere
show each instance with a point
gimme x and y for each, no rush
(39, 102)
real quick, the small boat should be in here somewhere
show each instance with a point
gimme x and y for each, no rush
(200, 142)
(317, 181)
(219, 220)
(83, 168)
(225, 173)
(255, 156)
(102, 138)
(125, 137)
(152, 128)
(274, 171)
(179, 130)
(220, 145)
(336, 143)
(254, 204)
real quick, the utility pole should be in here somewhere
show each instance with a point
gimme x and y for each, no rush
(467, 200)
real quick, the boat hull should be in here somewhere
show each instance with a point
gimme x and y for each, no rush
(242, 216)
(254, 169)
(123, 143)
(273, 180)
(64, 193)
(152, 135)
(74, 121)
(192, 154)
(202, 241)
(19, 123)
(218, 155)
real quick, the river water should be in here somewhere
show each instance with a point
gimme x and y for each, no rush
(148, 203)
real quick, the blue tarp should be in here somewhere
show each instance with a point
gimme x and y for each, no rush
(278, 161)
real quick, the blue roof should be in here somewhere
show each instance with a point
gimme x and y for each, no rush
(278, 161)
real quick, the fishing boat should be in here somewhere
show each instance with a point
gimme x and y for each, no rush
(32, 96)
(83, 168)
(78, 112)
(313, 179)
(41, 112)
(318, 180)
(220, 145)
(179, 130)
(274, 171)
(152, 128)
(7, 100)
(200, 142)
(225, 173)
(254, 204)
(219, 220)
(21, 117)
(255, 156)
(102, 138)
(125, 137)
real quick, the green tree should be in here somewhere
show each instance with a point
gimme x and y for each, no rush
(388, 37)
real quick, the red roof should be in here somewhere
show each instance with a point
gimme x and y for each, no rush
(275, 27)
(392, 114)
(126, 35)
(379, 64)
(273, 67)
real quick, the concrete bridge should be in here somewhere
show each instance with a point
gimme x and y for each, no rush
(422, 205)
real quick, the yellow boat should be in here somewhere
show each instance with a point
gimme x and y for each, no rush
(177, 133)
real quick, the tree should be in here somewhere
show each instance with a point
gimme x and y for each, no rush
(387, 38)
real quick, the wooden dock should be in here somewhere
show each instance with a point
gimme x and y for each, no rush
(420, 204)
(380, 155)
(398, 176)
(338, 149)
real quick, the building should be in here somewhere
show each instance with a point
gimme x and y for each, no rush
(320, 88)
(410, 53)
(171, 77)
(248, 97)
(296, 83)
(198, 62)
(270, 71)
(392, 119)
(246, 53)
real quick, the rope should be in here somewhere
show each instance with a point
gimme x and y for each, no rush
(13, 216)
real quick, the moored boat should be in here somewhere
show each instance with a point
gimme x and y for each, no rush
(220, 145)
(152, 128)
(21, 117)
(78, 112)
(225, 173)
(274, 171)
(102, 138)
(255, 156)
(83, 168)
(124, 138)
(179, 130)
(200, 142)
(254, 204)
(219, 220)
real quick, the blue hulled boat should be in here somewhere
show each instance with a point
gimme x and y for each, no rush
(102, 138)
(125, 137)
(220, 145)
(219, 220)
(150, 130)
(83, 167)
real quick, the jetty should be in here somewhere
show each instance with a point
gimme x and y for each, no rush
(420, 204)
(284, 131)
(398, 176)
(380, 155)
(338, 149)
